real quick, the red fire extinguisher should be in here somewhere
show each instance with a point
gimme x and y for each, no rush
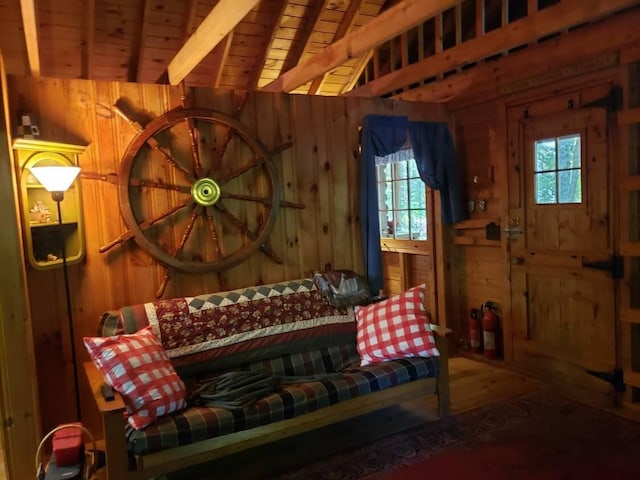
(490, 325)
(475, 339)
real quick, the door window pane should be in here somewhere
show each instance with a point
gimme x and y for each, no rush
(557, 170)
(545, 155)
(569, 152)
(545, 187)
(569, 186)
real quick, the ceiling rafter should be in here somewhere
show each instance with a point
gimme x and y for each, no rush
(357, 71)
(485, 80)
(30, 26)
(189, 24)
(137, 50)
(221, 20)
(403, 16)
(274, 23)
(300, 42)
(88, 37)
(345, 25)
(221, 52)
(523, 31)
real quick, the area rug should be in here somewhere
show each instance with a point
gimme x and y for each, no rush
(534, 436)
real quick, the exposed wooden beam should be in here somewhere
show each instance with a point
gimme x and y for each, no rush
(221, 20)
(221, 52)
(347, 22)
(303, 33)
(274, 22)
(30, 26)
(88, 39)
(483, 82)
(438, 33)
(480, 13)
(189, 23)
(362, 64)
(137, 50)
(403, 16)
(545, 22)
(188, 26)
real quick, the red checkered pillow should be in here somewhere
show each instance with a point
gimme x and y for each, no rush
(395, 328)
(136, 366)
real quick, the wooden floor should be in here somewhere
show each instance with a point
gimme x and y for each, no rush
(473, 384)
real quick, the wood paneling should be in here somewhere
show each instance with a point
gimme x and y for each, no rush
(320, 171)
(477, 267)
(19, 415)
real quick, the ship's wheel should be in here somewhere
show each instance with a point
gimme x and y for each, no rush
(197, 191)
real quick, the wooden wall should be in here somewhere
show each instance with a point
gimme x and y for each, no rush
(320, 171)
(480, 268)
(478, 273)
(19, 412)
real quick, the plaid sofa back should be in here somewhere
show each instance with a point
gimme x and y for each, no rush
(225, 329)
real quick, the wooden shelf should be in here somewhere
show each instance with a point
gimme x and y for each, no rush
(44, 241)
(475, 223)
(471, 241)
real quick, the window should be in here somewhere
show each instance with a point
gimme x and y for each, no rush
(558, 170)
(401, 201)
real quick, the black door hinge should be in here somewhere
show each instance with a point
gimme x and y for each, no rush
(615, 265)
(612, 102)
(615, 378)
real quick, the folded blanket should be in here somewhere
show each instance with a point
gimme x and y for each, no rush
(236, 390)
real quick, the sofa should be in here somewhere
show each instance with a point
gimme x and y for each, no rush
(308, 353)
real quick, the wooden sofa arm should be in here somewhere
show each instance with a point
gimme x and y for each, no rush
(113, 422)
(96, 381)
(442, 342)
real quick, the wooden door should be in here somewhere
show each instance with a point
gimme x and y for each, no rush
(563, 309)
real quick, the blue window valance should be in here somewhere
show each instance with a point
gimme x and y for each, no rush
(431, 144)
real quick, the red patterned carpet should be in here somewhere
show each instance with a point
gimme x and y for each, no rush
(535, 436)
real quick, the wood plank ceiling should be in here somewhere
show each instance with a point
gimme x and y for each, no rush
(326, 47)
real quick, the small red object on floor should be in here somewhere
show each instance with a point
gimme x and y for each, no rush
(67, 446)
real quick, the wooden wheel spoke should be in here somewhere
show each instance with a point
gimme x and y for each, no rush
(153, 143)
(146, 225)
(170, 270)
(257, 161)
(263, 200)
(193, 137)
(228, 135)
(250, 234)
(213, 232)
(134, 182)
(219, 153)
(187, 232)
(169, 158)
(108, 177)
(168, 274)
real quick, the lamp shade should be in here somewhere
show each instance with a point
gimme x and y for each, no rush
(55, 178)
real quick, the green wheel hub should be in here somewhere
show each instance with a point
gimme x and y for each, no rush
(205, 192)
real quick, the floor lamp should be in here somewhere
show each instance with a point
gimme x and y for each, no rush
(57, 180)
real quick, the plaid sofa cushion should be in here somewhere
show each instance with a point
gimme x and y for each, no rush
(200, 423)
